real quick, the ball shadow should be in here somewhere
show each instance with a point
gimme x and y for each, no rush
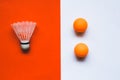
(81, 59)
(79, 34)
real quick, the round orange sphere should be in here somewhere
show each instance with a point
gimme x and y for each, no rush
(80, 25)
(81, 50)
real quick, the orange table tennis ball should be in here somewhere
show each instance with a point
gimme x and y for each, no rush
(81, 50)
(80, 25)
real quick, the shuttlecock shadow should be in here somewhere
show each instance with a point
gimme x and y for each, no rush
(25, 51)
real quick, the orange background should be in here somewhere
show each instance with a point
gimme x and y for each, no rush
(43, 60)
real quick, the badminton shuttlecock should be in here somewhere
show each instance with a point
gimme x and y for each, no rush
(24, 31)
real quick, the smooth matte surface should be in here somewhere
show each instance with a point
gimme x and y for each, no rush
(102, 37)
(42, 62)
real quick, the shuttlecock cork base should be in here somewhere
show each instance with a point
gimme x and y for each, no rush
(24, 31)
(25, 45)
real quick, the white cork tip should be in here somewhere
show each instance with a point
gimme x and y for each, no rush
(25, 46)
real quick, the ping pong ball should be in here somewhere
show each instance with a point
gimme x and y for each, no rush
(81, 50)
(80, 25)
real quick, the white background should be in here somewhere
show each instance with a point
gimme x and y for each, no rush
(102, 38)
